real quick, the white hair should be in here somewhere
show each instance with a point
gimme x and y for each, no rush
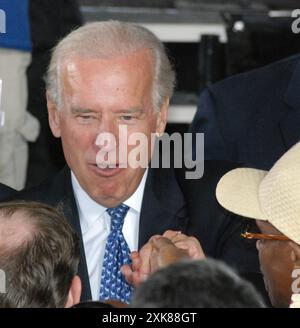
(110, 39)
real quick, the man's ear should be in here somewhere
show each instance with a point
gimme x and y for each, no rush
(162, 117)
(295, 254)
(74, 292)
(53, 117)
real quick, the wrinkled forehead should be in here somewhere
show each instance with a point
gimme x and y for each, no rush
(139, 60)
(131, 75)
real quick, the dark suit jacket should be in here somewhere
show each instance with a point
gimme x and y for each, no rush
(164, 207)
(218, 230)
(5, 192)
(252, 118)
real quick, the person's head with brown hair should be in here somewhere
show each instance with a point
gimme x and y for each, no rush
(39, 256)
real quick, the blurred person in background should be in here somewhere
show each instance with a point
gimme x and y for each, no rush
(252, 118)
(196, 284)
(49, 22)
(20, 127)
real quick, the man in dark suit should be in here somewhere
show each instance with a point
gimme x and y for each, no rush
(252, 118)
(108, 81)
(5, 191)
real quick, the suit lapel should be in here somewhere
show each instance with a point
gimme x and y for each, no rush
(163, 206)
(64, 196)
(290, 125)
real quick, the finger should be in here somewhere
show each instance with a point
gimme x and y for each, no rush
(145, 254)
(192, 247)
(160, 242)
(171, 234)
(154, 259)
(134, 278)
(179, 237)
(136, 261)
(155, 237)
(127, 272)
(138, 278)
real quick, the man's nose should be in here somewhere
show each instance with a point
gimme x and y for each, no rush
(106, 125)
(106, 137)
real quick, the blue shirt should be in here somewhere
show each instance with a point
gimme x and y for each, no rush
(14, 18)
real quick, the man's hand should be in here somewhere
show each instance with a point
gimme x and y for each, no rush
(190, 244)
(159, 252)
(139, 270)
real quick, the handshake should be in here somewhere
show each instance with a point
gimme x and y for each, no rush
(159, 252)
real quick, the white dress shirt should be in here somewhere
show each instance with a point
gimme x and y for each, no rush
(95, 228)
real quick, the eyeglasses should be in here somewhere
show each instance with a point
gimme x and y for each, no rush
(253, 235)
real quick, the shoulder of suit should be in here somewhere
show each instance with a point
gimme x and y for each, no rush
(51, 191)
(6, 192)
(259, 75)
(212, 173)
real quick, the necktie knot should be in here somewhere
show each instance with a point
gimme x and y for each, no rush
(117, 215)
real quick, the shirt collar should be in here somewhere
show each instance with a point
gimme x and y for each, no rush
(90, 211)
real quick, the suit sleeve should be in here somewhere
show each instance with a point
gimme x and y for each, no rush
(206, 121)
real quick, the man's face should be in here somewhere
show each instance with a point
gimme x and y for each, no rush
(99, 95)
(276, 265)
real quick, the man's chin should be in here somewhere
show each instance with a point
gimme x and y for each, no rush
(108, 201)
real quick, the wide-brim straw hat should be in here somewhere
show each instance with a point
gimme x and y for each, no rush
(272, 196)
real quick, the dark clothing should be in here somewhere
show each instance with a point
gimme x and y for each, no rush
(5, 192)
(164, 207)
(218, 230)
(252, 118)
(53, 19)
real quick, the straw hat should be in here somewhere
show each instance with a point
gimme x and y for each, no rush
(272, 196)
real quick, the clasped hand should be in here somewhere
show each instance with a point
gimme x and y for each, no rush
(159, 252)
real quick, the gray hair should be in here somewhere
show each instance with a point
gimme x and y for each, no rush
(109, 39)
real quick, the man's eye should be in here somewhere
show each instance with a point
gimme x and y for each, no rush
(126, 117)
(85, 117)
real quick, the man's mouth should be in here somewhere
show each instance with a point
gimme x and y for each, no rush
(106, 171)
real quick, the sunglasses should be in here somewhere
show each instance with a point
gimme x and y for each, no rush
(248, 234)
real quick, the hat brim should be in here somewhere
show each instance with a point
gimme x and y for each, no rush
(237, 191)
